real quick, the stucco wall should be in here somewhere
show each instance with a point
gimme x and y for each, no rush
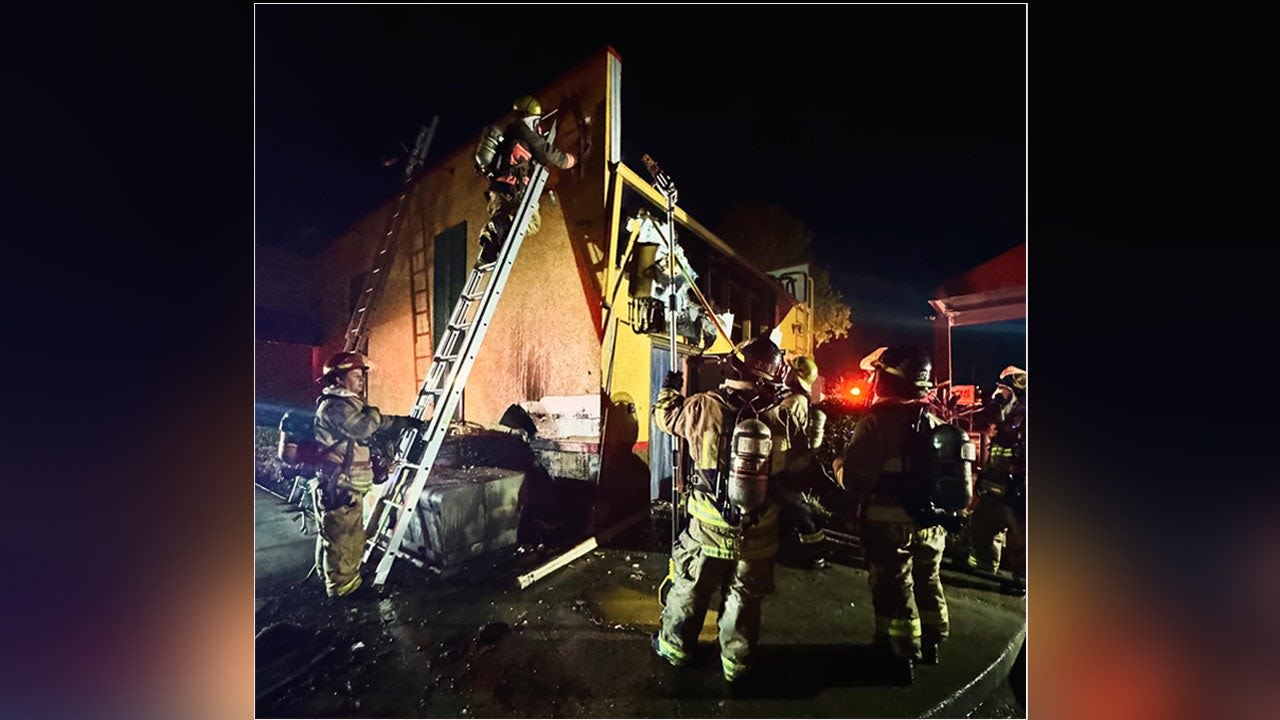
(546, 334)
(544, 338)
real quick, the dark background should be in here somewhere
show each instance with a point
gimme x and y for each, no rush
(131, 220)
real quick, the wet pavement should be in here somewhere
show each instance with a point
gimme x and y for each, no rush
(576, 643)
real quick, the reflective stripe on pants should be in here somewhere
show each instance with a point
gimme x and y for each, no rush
(743, 585)
(906, 588)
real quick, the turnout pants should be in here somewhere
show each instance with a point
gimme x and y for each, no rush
(906, 589)
(743, 585)
(340, 547)
(993, 526)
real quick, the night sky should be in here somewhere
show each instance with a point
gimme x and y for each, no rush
(895, 132)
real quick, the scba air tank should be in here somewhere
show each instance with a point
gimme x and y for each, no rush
(749, 465)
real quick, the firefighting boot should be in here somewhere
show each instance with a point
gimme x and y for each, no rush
(1017, 590)
(929, 651)
(818, 558)
(491, 241)
(740, 685)
(488, 253)
(672, 656)
(902, 670)
(899, 669)
(355, 596)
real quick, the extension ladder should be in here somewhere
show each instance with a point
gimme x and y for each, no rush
(397, 501)
(356, 338)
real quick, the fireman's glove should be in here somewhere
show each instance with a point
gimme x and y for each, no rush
(413, 423)
(673, 381)
(381, 465)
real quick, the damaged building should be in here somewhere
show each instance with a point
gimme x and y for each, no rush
(578, 344)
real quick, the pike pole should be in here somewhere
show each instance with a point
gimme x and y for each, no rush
(668, 190)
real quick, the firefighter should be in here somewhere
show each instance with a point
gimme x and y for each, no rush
(904, 559)
(346, 425)
(522, 141)
(732, 537)
(801, 514)
(1000, 517)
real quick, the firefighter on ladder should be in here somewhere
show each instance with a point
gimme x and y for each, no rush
(507, 162)
(732, 554)
(347, 425)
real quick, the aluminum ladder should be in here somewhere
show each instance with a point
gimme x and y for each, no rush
(397, 501)
(356, 338)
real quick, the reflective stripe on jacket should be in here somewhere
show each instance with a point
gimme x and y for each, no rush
(701, 419)
(721, 540)
(342, 416)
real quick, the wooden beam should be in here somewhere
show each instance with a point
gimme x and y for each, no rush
(574, 553)
(578, 550)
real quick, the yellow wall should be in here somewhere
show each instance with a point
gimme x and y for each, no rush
(546, 334)
(631, 355)
(797, 330)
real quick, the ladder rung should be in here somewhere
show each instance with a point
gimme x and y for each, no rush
(444, 383)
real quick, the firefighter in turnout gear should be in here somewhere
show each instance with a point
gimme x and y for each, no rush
(346, 425)
(521, 141)
(1000, 517)
(904, 559)
(732, 537)
(802, 533)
